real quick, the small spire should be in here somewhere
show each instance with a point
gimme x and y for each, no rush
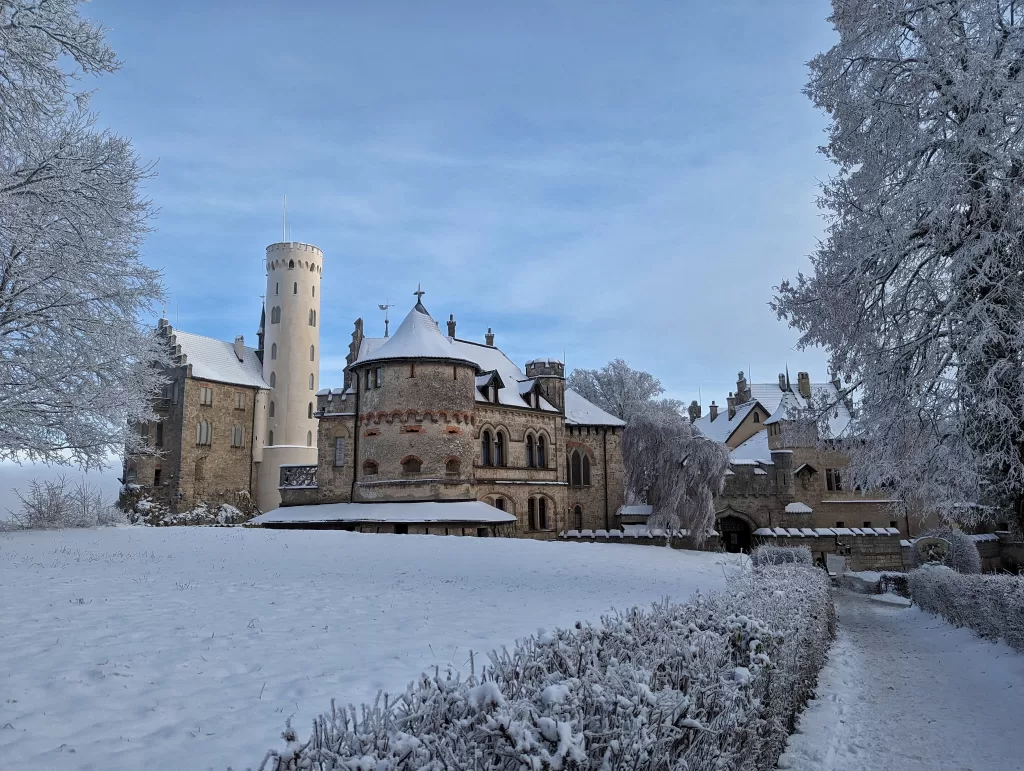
(419, 299)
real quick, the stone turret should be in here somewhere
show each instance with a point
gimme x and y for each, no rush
(550, 375)
(694, 411)
(742, 389)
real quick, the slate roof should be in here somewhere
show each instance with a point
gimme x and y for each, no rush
(215, 360)
(722, 427)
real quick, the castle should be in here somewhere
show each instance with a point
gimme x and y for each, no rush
(428, 433)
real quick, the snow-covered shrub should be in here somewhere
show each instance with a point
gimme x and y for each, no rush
(990, 605)
(716, 683)
(963, 555)
(766, 554)
(49, 504)
(894, 583)
(140, 509)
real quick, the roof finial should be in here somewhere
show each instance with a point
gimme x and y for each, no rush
(384, 308)
(419, 292)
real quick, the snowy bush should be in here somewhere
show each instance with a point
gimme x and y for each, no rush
(50, 504)
(990, 605)
(140, 509)
(767, 554)
(716, 683)
(963, 555)
(894, 583)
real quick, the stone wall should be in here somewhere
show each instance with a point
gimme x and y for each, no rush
(617, 536)
(603, 447)
(865, 552)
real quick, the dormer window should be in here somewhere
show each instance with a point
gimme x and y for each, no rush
(492, 393)
(757, 416)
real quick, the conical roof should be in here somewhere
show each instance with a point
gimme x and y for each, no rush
(417, 337)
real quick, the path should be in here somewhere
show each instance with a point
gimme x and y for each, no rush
(904, 690)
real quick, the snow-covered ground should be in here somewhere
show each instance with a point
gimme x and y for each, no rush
(905, 691)
(175, 648)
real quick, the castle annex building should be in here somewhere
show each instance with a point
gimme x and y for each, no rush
(426, 418)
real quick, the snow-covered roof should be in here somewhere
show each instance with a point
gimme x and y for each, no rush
(430, 511)
(753, 451)
(771, 396)
(580, 412)
(635, 510)
(825, 531)
(216, 360)
(722, 427)
(417, 337)
(798, 508)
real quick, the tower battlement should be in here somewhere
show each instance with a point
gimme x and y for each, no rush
(295, 246)
(545, 368)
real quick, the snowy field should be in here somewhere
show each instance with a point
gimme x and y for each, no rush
(175, 648)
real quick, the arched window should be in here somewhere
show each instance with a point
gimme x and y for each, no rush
(531, 457)
(411, 465)
(273, 379)
(273, 351)
(271, 409)
(203, 433)
(309, 411)
(452, 466)
(485, 449)
(275, 315)
(309, 439)
(531, 514)
(369, 468)
(312, 353)
(542, 455)
(499, 448)
(312, 269)
(312, 317)
(586, 470)
(291, 264)
(310, 381)
(277, 288)
(295, 287)
(542, 513)
(314, 287)
(270, 439)
(575, 469)
(757, 416)
(577, 517)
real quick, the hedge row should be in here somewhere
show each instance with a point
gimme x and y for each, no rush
(990, 605)
(766, 554)
(716, 683)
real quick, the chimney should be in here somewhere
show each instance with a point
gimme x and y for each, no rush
(694, 411)
(451, 325)
(742, 390)
(732, 406)
(803, 383)
(713, 411)
(782, 381)
(240, 348)
(489, 337)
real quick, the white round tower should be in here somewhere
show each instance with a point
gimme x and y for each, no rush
(291, 361)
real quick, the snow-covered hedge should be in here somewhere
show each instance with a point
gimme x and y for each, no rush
(716, 683)
(990, 605)
(767, 554)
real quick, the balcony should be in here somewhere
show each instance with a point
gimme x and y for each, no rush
(298, 477)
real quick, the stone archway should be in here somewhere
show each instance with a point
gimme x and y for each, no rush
(736, 530)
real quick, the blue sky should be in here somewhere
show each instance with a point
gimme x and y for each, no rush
(603, 179)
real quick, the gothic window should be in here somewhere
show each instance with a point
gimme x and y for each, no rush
(312, 317)
(378, 377)
(575, 469)
(312, 353)
(270, 439)
(586, 470)
(291, 264)
(577, 517)
(485, 449)
(273, 379)
(273, 351)
(237, 436)
(309, 411)
(206, 396)
(369, 468)
(499, 448)
(310, 381)
(531, 514)
(757, 416)
(295, 287)
(833, 481)
(542, 513)
(203, 433)
(542, 455)
(239, 400)
(309, 439)
(275, 315)
(411, 465)
(271, 409)
(451, 466)
(531, 457)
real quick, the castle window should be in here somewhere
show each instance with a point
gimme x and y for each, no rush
(542, 513)
(339, 451)
(156, 476)
(206, 396)
(542, 456)
(271, 409)
(531, 457)
(270, 439)
(309, 439)
(485, 449)
(412, 465)
(586, 470)
(203, 437)
(275, 315)
(499, 504)
(451, 466)
(579, 469)
(314, 289)
(273, 379)
(309, 411)
(840, 523)
(892, 523)
(237, 436)
(492, 393)
(239, 400)
(273, 351)
(369, 468)
(312, 353)
(369, 383)
(310, 381)
(412, 369)
(577, 517)
(291, 264)
(277, 288)
(378, 377)
(757, 416)
(499, 448)
(455, 373)
(867, 525)
(833, 481)
(295, 287)
(531, 514)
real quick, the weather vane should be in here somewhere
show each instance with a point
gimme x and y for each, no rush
(384, 307)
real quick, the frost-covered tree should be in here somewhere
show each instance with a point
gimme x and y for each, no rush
(74, 359)
(917, 291)
(625, 392)
(677, 470)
